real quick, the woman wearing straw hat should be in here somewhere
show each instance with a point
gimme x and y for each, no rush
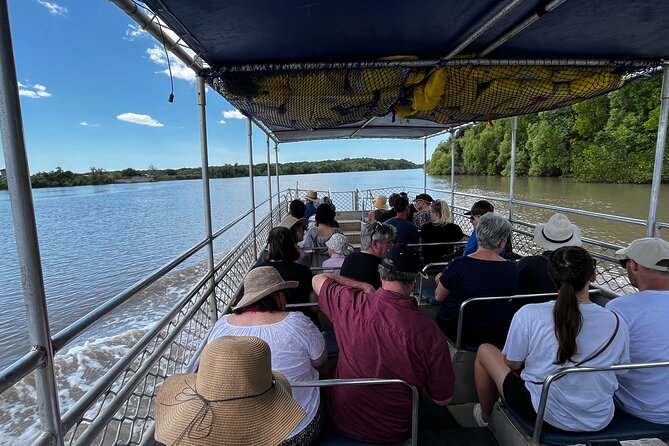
(297, 345)
(310, 201)
(381, 205)
(234, 399)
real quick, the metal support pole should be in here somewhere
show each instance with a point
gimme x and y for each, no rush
(652, 229)
(512, 179)
(269, 187)
(278, 187)
(253, 192)
(206, 193)
(453, 176)
(424, 165)
(25, 229)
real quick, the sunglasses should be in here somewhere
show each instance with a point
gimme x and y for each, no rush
(623, 262)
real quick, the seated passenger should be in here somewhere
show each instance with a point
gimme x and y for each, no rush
(381, 205)
(315, 237)
(644, 392)
(391, 212)
(281, 255)
(310, 201)
(570, 331)
(422, 206)
(533, 270)
(297, 345)
(235, 398)
(439, 230)
(479, 209)
(297, 209)
(375, 241)
(338, 249)
(481, 274)
(381, 334)
(406, 231)
(297, 227)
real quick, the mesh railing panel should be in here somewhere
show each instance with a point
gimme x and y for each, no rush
(318, 99)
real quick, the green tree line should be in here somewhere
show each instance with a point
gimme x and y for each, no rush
(608, 139)
(60, 177)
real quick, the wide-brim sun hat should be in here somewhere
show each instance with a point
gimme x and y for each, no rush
(289, 221)
(234, 399)
(261, 282)
(557, 232)
(311, 195)
(380, 202)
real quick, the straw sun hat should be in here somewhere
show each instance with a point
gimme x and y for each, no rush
(234, 399)
(311, 195)
(557, 232)
(261, 282)
(380, 202)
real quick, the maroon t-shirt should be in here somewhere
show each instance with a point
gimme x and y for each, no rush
(382, 336)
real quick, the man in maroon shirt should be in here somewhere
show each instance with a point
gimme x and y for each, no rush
(381, 334)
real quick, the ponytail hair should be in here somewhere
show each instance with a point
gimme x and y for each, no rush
(571, 268)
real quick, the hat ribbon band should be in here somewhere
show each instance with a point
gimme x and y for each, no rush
(200, 426)
(556, 241)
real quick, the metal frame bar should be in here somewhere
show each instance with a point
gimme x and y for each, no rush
(425, 165)
(652, 229)
(453, 143)
(276, 166)
(206, 191)
(252, 186)
(25, 230)
(512, 174)
(550, 379)
(415, 396)
(18, 370)
(269, 188)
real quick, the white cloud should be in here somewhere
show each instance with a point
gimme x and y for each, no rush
(53, 8)
(134, 118)
(134, 31)
(87, 124)
(179, 69)
(221, 121)
(233, 114)
(36, 91)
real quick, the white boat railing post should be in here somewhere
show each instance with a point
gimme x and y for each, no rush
(278, 187)
(25, 228)
(425, 165)
(206, 193)
(453, 176)
(652, 229)
(252, 188)
(512, 174)
(269, 187)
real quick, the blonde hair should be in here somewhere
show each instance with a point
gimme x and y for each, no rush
(440, 208)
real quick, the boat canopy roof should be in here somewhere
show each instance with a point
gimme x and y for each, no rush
(307, 70)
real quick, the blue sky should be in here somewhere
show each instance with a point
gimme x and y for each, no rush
(94, 92)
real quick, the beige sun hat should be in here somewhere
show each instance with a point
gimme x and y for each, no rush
(650, 252)
(557, 232)
(289, 221)
(380, 202)
(311, 195)
(234, 399)
(261, 282)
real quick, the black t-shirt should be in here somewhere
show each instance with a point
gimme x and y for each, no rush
(534, 279)
(293, 271)
(362, 267)
(387, 215)
(432, 233)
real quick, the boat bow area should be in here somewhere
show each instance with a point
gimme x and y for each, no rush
(308, 71)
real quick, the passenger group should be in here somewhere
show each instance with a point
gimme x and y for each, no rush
(366, 300)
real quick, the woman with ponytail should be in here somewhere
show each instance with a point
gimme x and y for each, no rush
(543, 338)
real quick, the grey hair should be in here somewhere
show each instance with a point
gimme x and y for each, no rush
(396, 276)
(375, 231)
(492, 229)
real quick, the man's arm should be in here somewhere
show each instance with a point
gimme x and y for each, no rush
(319, 279)
(441, 293)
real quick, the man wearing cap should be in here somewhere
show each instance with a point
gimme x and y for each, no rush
(644, 393)
(533, 270)
(406, 231)
(375, 241)
(310, 203)
(381, 334)
(423, 215)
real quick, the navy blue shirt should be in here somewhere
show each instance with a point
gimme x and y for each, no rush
(466, 277)
(407, 232)
(310, 209)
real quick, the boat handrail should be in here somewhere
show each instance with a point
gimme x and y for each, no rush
(463, 305)
(415, 395)
(550, 379)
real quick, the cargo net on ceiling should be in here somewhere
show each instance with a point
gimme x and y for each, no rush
(309, 99)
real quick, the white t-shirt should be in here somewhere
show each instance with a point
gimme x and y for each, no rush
(645, 393)
(294, 342)
(579, 402)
